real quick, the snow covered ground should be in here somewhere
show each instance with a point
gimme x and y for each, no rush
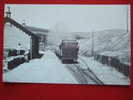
(105, 73)
(48, 69)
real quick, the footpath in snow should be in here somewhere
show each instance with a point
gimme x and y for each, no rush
(105, 73)
(47, 69)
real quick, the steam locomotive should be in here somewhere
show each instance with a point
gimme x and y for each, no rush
(69, 50)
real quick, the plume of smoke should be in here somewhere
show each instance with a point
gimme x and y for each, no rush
(58, 33)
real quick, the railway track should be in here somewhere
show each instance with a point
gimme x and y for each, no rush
(77, 73)
(83, 76)
(89, 73)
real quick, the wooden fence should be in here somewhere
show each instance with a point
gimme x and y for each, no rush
(114, 62)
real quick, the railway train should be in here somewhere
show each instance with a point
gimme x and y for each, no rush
(69, 50)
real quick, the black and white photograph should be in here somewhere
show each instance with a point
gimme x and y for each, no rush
(67, 44)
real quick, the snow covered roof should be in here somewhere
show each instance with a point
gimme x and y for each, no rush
(37, 30)
(21, 27)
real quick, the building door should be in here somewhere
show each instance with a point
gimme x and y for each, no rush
(34, 47)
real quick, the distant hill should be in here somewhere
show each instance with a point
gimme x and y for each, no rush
(115, 40)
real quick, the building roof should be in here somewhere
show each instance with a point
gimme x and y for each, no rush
(21, 27)
(30, 30)
(37, 30)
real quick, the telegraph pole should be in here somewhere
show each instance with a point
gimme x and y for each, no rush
(92, 44)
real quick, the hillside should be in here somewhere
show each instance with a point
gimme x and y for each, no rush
(114, 41)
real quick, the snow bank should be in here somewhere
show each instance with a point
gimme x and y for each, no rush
(48, 69)
(105, 73)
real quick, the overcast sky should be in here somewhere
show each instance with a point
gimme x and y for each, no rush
(75, 18)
